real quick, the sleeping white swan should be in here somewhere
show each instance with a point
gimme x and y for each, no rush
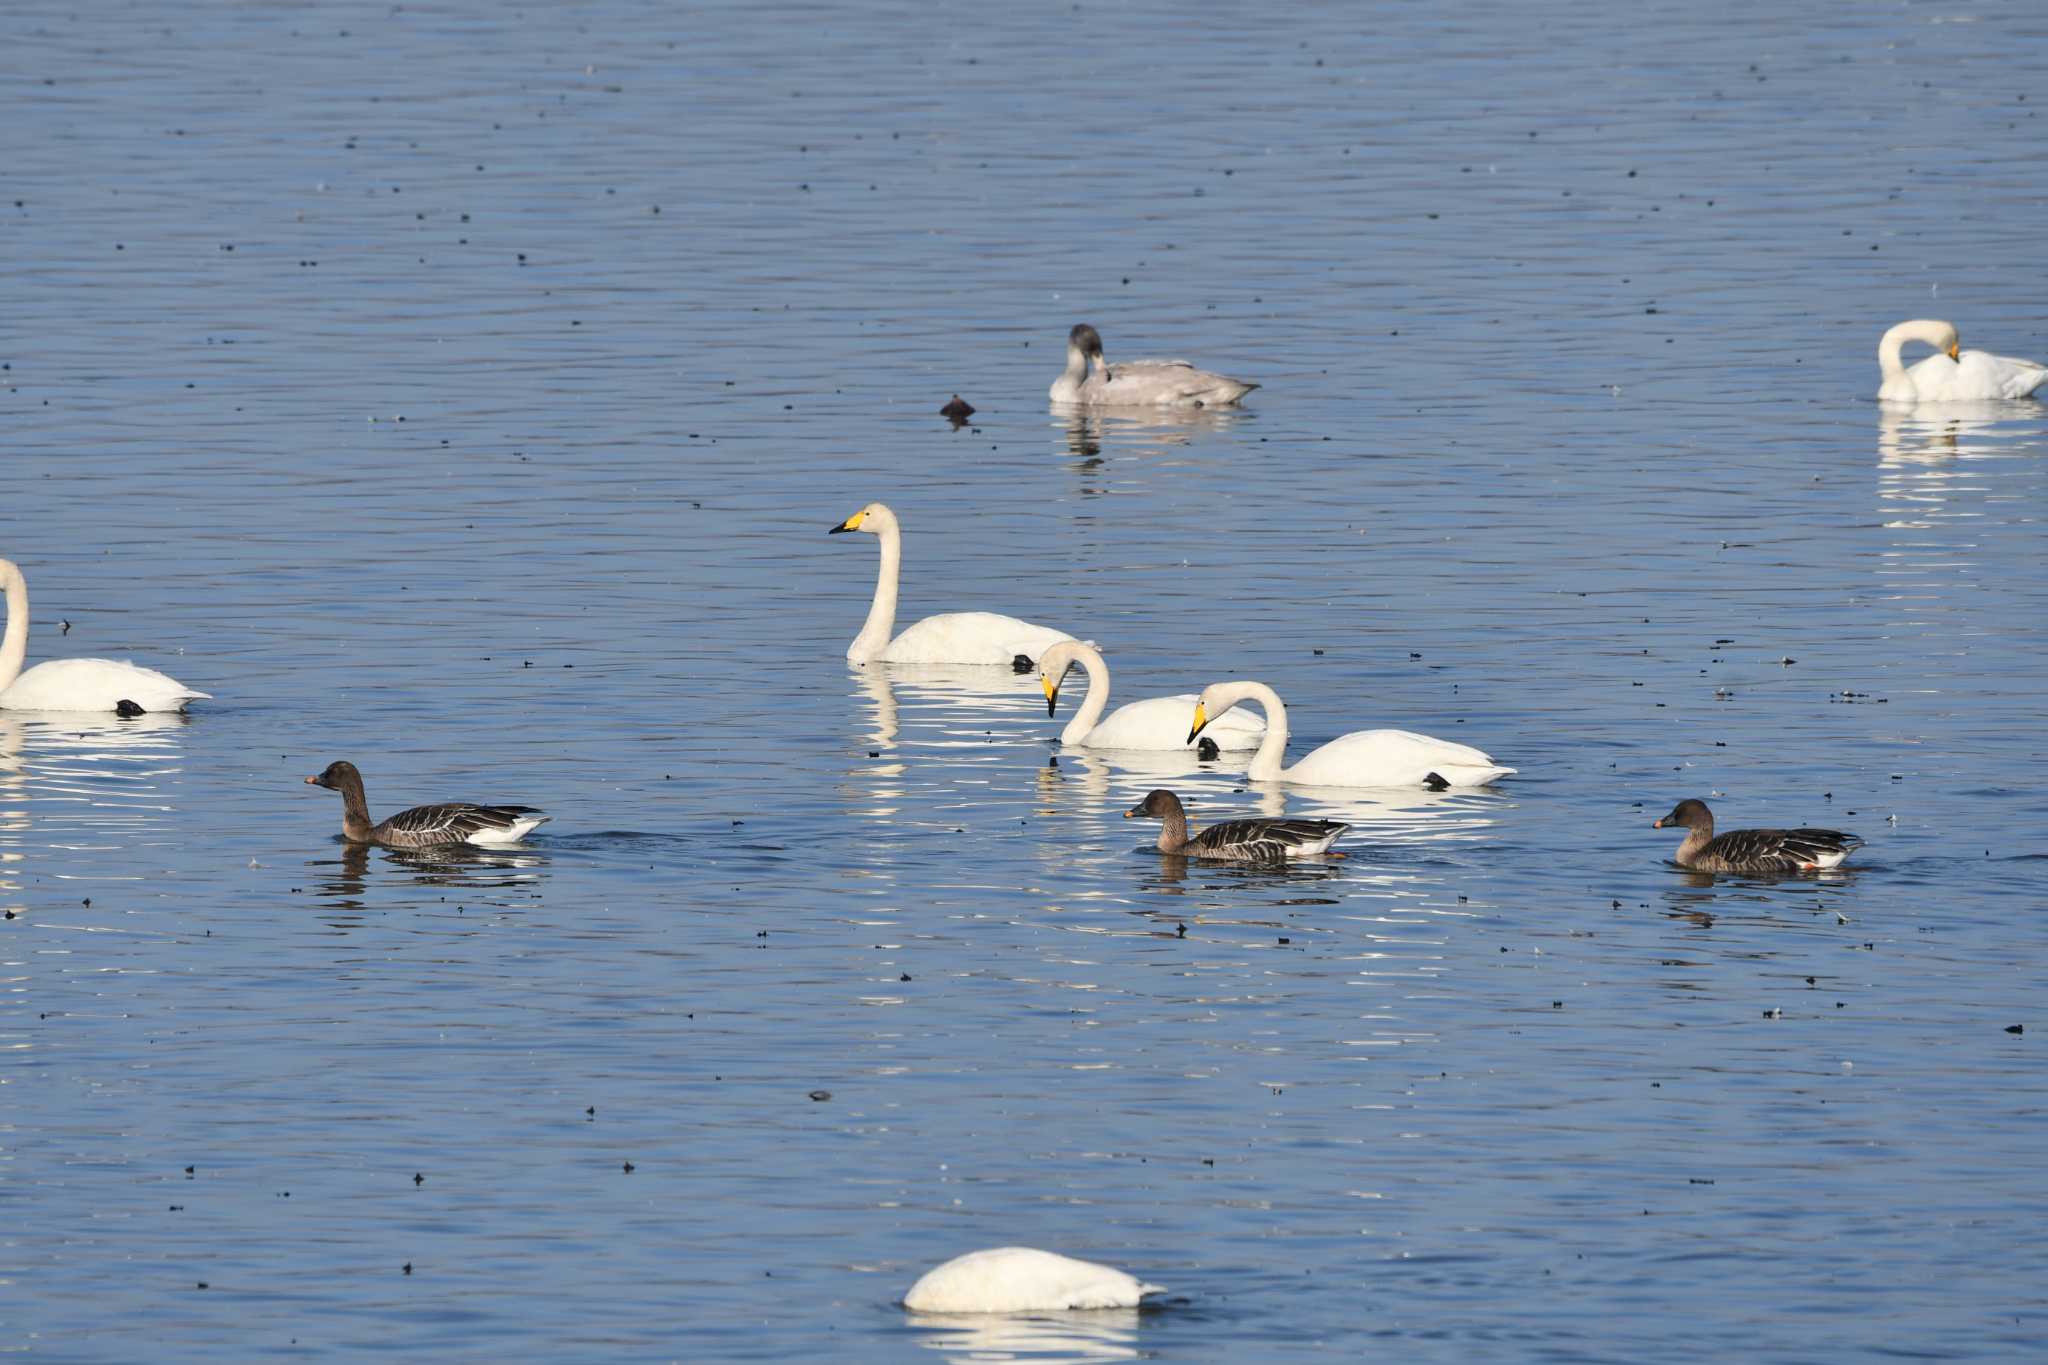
(74, 684)
(955, 637)
(1363, 758)
(1154, 723)
(1137, 383)
(1023, 1280)
(1953, 376)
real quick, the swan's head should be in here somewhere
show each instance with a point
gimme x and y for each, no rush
(1942, 336)
(1212, 703)
(1053, 666)
(335, 776)
(1160, 804)
(1686, 814)
(872, 519)
(1086, 340)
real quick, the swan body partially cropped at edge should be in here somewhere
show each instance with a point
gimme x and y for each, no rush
(1363, 758)
(955, 637)
(1955, 375)
(1023, 1280)
(1154, 723)
(1137, 383)
(74, 684)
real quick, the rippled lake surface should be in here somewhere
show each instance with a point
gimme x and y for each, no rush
(465, 391)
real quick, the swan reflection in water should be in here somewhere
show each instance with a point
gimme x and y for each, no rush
(1094, 1334)
(1934, 433)
(1139, 429)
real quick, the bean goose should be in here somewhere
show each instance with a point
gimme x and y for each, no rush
(452, 822)
(1258, 840)
(1753, 850)
(1137, 383)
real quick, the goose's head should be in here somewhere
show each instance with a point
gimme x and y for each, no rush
(1158, 805)
(1688, 815)
(336, 776)
(873, 519)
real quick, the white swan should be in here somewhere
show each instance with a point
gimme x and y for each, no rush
(1953, 376)
(1363, 758)
(955, 637)
(74, 684)
(1023, 1280)
(1137, 383)
(1154, 723)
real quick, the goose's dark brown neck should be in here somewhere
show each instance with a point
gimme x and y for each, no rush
(355, 810)
(1173, 830)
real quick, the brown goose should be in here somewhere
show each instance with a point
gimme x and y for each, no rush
(453, 822)
(1261, 840)
(1754, 850)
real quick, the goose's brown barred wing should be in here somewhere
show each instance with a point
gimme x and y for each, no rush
(1265, 840)
(1780, 850)
(458, 822)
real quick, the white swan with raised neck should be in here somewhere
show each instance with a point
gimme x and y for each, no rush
(955, 637)
(1953, 376)
(1363, 758)
(1154, 723)
(75, 684)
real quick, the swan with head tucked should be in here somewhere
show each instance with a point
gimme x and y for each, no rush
(1954, 376)
(1154, 723)
(1363, 758)
(1137, 383)
(1023, 1280)
(75, 684)
(954, 637)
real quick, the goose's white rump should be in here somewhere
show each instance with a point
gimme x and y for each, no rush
(1363, 758)
(1023, 1280)
(955, 637)
(1954, 376)
(74, 684)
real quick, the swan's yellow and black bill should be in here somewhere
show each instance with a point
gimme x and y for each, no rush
(1955, 351)
(1201, 719)
(852, 523)
(1052, 693)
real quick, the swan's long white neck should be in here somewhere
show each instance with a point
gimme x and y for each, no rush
(874, 636)
(1097, 700)
(14, 644)
(1938, 334)
(1076, 372)
(1266, 763)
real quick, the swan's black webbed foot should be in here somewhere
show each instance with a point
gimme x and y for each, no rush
(1435, 782)
(127, 710)
(1021, 664)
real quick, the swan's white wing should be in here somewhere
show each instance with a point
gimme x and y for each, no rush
(1162, 723)
(1394, 758)
(1023, 1280)
(95, 685)
(971, 637)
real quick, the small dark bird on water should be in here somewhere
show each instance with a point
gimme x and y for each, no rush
(959, 410)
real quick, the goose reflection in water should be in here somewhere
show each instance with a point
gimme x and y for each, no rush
(345, 880)
(1095, 1334)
